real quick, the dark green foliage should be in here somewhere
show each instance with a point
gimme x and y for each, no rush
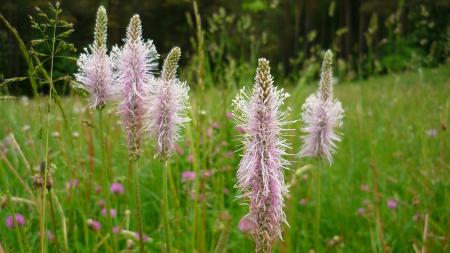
(368, 37)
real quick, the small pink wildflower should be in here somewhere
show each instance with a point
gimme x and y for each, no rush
(361, 211)
(364, 188)
(207, 173)
(138, 237)
(116, 229)
(50, 236)
(215, 125)
(209, 132)
(94, 225)
(19, 220)
(101, 203)
(179, 149)
(112, 212)
(117, 188)
(190, 158)
(10, 221)
(229, 154)
(201, 196)
(72, 184)
(187, 176)
(392, 203)
(229, 115)
(432, 133)
(303, 202)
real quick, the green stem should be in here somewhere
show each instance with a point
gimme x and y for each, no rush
(165, 206)
(52, 216)
(106, 176)
(52, 56)
(317, 208)
(18, 234)
(137, 198)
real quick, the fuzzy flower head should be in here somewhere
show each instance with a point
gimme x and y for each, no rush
(260, 175)
(94, 65)
(167, 102)
(134, 66)
(322, 114)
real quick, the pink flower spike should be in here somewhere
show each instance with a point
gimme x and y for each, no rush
(117, 188)
(260, 174)
(322, 114)
(134, 66)
(94, 65)
(187, 176)
(166, 106)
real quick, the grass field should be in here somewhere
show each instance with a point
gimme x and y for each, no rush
(387, 190)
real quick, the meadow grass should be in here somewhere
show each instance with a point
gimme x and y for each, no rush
(395, 149)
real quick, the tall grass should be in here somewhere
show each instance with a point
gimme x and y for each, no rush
(395, 124)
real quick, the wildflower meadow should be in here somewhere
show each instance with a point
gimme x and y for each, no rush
(139, 145)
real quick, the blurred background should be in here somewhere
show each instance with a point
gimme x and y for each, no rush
(368, 37)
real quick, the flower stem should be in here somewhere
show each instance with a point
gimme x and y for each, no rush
(43, 223)
(52, 216)
(165, 205)
(107, 178)
(137, 198)
(317, 208)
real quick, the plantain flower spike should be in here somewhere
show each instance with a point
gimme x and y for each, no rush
(322, 115)
(260, 175)
(167, 102)
(94, 65)
(135, 64)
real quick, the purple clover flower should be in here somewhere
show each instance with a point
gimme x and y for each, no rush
(117, 188)
(18, 219)
(94, 225)
(187, 176)
(392, 203)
